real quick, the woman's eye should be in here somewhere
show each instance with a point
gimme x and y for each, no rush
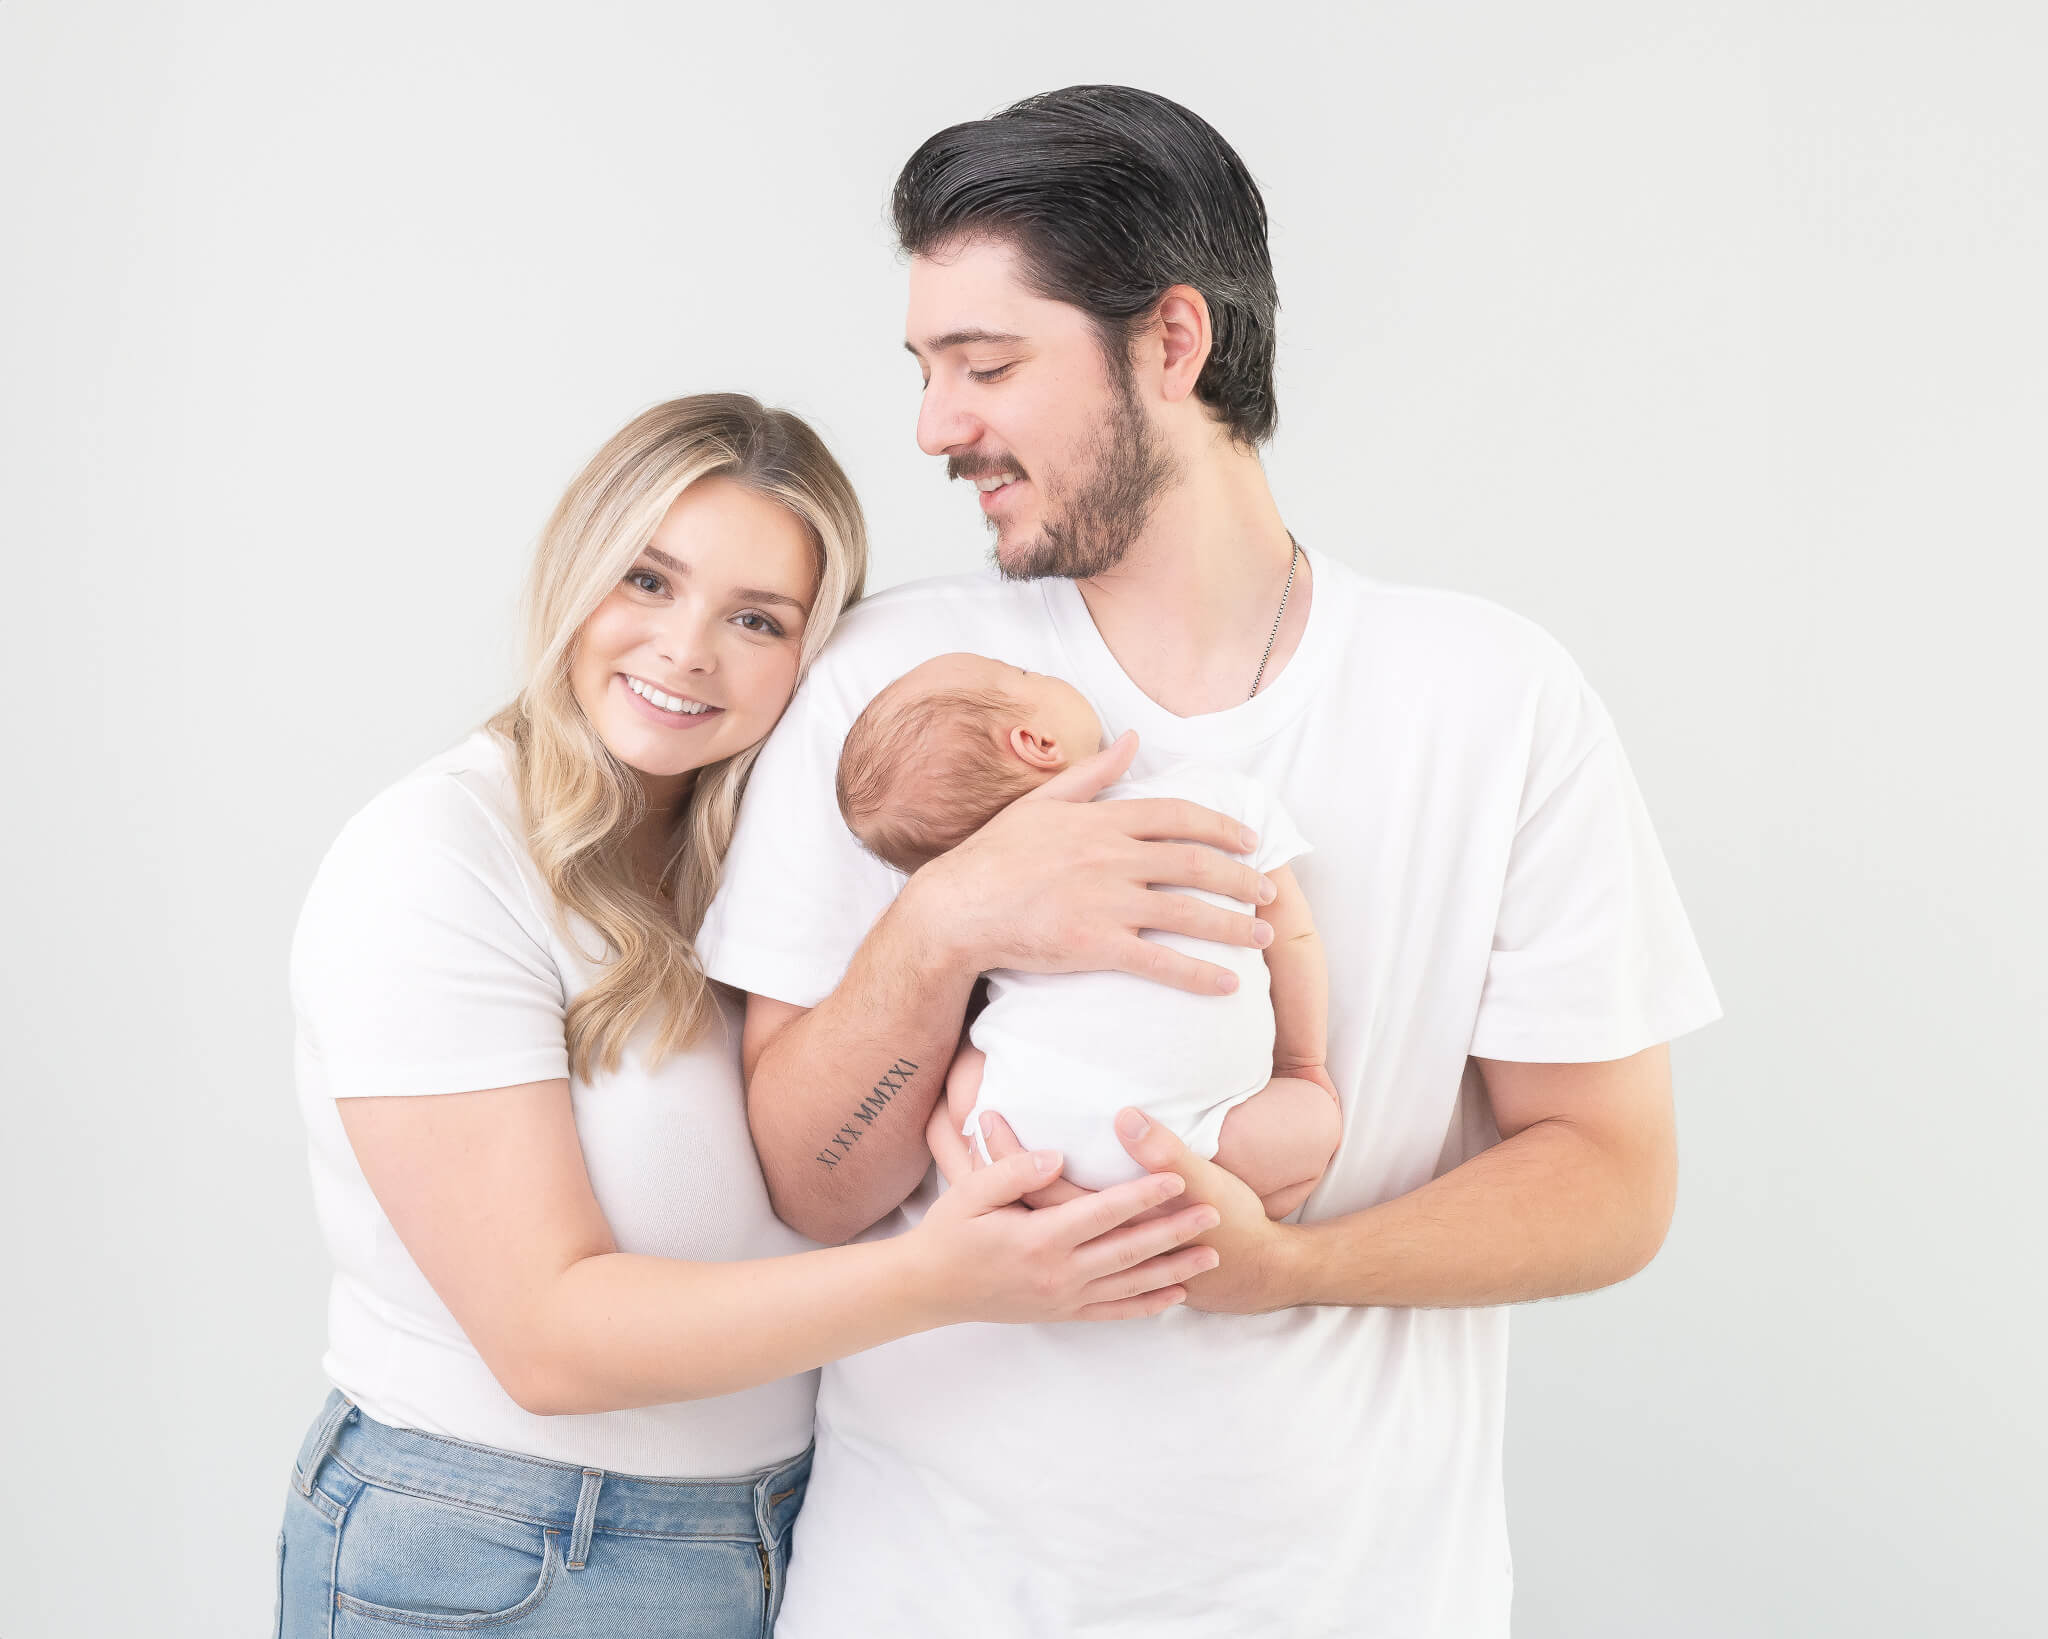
(647, 581)
(754, 621)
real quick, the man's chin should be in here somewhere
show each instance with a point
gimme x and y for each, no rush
(1021, 557)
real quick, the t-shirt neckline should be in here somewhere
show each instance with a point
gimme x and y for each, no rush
(1102, 677)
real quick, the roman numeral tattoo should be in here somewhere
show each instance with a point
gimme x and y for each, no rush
(892, 1083)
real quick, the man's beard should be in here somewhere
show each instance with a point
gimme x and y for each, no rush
(1125, 467)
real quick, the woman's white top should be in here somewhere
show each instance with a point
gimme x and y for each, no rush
(428, 960)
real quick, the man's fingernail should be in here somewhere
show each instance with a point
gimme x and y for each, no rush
(1248, 837)
(1044, 1160)
(1268, 892)
(1132, 1125)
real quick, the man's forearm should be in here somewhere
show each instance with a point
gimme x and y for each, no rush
(1552, 1210)
(838, 1100)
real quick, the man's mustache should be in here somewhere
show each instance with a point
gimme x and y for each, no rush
(982, 466)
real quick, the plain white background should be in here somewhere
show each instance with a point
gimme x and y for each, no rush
(1709, 336)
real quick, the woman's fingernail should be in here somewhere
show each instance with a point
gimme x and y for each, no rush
(1264, 935)
(1248, 837)
(1207, 1220)
(1130, 1124)
(1043, 1161)
(1226, 982)
(1268, 892)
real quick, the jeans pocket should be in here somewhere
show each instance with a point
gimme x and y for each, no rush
(423, 1564)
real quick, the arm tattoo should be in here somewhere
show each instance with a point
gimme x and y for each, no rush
(865, 1112)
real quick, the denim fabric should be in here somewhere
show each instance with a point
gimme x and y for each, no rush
(389, 1532)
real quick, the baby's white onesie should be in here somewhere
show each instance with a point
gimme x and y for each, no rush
(1066, 1051)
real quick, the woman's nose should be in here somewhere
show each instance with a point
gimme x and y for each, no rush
(689, 648)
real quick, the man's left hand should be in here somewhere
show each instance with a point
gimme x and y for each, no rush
(1256, 1251)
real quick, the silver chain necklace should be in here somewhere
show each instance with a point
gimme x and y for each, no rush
(1279, 615)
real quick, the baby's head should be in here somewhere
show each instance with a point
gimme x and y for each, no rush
(945, 746)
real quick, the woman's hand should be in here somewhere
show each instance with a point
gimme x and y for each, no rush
(1059, 883)
(989, 1258)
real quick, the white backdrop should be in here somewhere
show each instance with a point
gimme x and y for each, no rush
(1710, 337)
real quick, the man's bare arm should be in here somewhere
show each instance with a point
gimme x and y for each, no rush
(838, 1097)
(1577, 1195)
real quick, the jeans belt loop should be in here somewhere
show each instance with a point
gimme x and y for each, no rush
(323, 1447)
(586, 1518)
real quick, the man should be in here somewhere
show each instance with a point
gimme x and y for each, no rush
(1312, 1444)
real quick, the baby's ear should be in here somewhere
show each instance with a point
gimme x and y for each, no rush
(1036, 750)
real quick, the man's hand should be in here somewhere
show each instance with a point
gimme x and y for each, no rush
(1059, 883)
(1251, 1277)
(1255, 1274)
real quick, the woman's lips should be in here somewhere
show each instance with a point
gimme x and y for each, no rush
(667, 719)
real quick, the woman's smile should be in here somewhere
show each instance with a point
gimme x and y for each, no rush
(657, 705)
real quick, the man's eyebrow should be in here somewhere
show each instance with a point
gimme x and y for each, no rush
(960, 338)
(751, 594)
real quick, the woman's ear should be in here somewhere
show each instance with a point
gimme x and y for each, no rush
(1037, 750)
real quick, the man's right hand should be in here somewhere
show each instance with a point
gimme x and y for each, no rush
(1059, 883)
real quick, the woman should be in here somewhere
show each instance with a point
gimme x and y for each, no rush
(572, 1348)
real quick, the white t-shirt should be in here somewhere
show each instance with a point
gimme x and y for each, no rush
(1486, 882)
(425, 963)
(1066, 1051)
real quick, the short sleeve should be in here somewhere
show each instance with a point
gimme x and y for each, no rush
(1593, 958)
(799, 892)
(1251, 802)
(1280, 839)
(421, 964)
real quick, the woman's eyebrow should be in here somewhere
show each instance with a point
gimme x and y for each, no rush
(753, 594)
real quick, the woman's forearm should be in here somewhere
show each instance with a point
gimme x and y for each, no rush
(618, 1329)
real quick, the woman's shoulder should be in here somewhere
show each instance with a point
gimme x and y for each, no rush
(437, 836)
(462, 801)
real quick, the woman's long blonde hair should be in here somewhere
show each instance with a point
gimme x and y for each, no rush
(579, 802)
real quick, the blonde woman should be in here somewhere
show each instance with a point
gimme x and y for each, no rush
(572, 1348)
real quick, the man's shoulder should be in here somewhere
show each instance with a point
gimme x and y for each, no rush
(885, 634)
(1435, 639)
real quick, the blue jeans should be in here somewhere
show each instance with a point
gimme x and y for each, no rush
(388, 1532)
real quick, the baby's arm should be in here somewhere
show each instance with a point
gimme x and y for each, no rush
(1280, 1141)
(1301, 985)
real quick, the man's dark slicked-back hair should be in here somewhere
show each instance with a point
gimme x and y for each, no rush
(1111, 195)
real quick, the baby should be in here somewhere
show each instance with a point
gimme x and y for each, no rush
(1240, 1077)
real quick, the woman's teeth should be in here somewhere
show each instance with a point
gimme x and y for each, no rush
(985, 485)
(667, 702)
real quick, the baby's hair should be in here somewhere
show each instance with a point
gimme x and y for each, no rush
(918, 776)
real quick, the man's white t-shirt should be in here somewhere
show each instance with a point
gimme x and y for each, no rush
(1486, 883)
(1066, 1051)
(427, 960)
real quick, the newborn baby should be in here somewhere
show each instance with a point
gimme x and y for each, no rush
(1240, 1077)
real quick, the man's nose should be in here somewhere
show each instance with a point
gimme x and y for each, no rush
(942, 423)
